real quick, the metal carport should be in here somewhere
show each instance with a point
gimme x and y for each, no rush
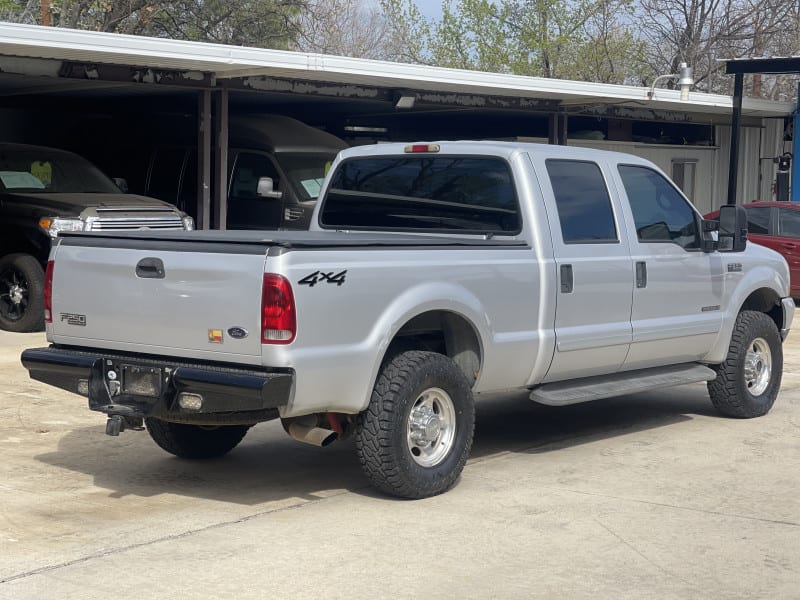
(66, 70)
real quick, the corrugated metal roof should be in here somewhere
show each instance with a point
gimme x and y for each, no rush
(235, 61)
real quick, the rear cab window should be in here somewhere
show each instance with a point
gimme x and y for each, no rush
(441, 193)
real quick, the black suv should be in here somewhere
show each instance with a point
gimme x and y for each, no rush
(44, 191)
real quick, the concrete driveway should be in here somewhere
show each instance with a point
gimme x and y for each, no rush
(645, 496)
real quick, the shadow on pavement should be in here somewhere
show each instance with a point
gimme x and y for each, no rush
(269, 466)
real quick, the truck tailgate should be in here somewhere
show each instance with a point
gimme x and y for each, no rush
(192, 300)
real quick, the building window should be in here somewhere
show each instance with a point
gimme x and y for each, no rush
(683, 174)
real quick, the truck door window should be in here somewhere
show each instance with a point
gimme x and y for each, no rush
(660, 213)
(249, 168)
(584, 207)
(789, 223)
(166, 168)
(758, 220)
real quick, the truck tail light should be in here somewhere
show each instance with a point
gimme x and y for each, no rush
(48, 292)
(278, 317)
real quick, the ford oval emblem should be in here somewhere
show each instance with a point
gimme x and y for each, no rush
(237, 333)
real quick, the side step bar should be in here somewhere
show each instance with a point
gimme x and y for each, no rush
(562, 393)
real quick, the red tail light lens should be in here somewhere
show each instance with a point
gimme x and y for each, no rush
(48, 292)
(278, 318)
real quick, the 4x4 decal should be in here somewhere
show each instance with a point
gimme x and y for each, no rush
(316, 277)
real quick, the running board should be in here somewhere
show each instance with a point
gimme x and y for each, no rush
(562, 393)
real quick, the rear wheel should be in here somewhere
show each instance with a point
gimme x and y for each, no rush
(415, 436)
(195, 441)
(748, 381)
(21, 293)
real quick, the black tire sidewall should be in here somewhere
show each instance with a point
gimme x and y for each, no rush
(195, 441)
(437, 375)
(763, 328)
(382, 429)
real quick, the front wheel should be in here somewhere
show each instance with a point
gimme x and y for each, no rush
(21, 293)
(414, 438)
(748, 381)
(195, 441)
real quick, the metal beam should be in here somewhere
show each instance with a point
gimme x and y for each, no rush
(795, 182)
(738, 88)
(204, 160)
(130, 74)
(771, 66)
(422, 98)
(221, 159)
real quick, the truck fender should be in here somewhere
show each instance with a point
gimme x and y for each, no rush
(757, 278)
(418, 300)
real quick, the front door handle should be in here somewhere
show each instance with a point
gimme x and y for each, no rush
(641, 274)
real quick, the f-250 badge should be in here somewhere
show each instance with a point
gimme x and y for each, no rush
(316, 277)
(73, 319)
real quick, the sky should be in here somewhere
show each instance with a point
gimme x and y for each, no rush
(429, 8)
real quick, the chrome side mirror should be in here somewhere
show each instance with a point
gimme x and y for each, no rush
(265, 188)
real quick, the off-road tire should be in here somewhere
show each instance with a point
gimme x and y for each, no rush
(729, 392)
(23, 270)
(195, 441)
(382, 430)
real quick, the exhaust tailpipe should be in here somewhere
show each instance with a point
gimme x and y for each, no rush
(316, 436)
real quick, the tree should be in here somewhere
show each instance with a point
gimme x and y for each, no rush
(267, 23)
(703, 32)
(568, 39)
(342, 27)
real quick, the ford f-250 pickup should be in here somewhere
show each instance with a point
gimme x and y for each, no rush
(433, 273)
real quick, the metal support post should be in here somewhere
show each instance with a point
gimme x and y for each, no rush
(204, 160)
(795, 189)
(221, 160)
(733, 167)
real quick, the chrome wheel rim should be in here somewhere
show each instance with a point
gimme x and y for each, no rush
(431, 427)
(13, 294)
(758, 367)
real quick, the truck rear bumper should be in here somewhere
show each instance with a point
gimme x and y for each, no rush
(139, 386)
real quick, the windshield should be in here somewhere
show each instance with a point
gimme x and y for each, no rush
(442, 193)
(306, 172)
(51, 172)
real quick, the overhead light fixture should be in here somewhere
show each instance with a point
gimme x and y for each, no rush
(684, 78)
(405, 101)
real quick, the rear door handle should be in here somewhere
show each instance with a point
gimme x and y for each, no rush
(566, 279)
(641, 274)
(790, 246)
(150, 268)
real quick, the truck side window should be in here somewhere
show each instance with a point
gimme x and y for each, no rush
(165, 173)
(584, 207)
(249, 168)
(758, 220)
(789, 223)
(660, 213)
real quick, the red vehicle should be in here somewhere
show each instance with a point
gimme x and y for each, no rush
(776, 225)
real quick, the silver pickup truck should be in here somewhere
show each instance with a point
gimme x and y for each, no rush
(433, 273)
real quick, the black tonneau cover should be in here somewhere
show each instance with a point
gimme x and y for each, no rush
(283, 239)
